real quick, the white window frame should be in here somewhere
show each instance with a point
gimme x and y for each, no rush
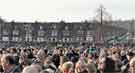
(28, 37)
(15, 32)
(54, 33)
(5, 38)
(66, 33)
(40, 33)
(89, 38)
(15, 39)
(5, 32)
(40, 39)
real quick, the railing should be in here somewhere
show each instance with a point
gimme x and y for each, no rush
(118, 38)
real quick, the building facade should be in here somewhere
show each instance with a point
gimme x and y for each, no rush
(44, 33)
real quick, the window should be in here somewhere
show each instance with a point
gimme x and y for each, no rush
(80, 32)
(54, 33)
(28, 37)
(66, 27)
(67, 40)
(15, 39)
(40, 33)
(28, 28)
(40, 39)
(15, 32)
(80, 27)
(5, 32)
(89, 32)
(54, 26)
(71, 39)
(79, 39)
(66, 33)
(89, 38)
(5, 38)
(41, 27)
(90, 26)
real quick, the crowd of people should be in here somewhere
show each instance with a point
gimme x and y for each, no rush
(67, 60)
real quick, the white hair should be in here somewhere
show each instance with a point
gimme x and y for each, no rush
(30, 69)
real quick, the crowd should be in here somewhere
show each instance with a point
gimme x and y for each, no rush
(67, 60)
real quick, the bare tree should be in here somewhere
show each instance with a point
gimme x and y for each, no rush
(102, 17)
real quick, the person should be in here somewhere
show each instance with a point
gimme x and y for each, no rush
(9, 65)
(91, 64)
(117, 60)
(106, 65)
(48, 64)
(47, 71)
(41, 55)
(81, 66)
(23, 59)
(63, 59)
(69, 53)
(67, 67)
(129, 55)
(37, 66)
(30, 69)
(131, 65)
(56, 57)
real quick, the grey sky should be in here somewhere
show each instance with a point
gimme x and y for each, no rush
(68, 10)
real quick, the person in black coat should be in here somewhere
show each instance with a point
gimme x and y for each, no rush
(9, 65)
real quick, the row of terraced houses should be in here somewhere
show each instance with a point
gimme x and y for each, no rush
(43, 33)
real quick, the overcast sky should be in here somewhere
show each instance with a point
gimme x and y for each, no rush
(68, 10)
